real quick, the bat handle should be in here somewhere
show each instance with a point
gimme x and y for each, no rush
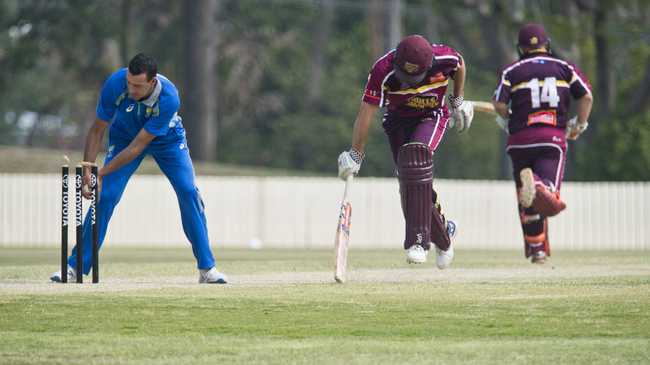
(348, 185)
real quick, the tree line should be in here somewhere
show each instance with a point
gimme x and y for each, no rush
(277, 83)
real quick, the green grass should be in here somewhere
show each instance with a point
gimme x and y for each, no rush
(491, 308)
(38, 160)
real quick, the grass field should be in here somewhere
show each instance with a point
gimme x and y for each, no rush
(282, 307)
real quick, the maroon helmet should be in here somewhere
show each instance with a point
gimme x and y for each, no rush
(413, 58)
(532, 36)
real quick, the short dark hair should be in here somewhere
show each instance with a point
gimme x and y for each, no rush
(143, 63)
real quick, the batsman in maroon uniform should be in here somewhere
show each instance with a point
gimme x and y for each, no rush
(410, 82)
(532, 99)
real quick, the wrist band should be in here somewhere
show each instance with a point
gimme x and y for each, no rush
(455, 101)
(356, 156)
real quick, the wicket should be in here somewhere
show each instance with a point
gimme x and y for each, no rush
(64, 224)
(78, 202)
(78, 219)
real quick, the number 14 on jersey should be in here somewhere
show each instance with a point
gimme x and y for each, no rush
(544, 92)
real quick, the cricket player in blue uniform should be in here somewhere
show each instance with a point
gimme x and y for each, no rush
(140, 108)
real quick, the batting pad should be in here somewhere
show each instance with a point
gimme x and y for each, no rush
(415, 167)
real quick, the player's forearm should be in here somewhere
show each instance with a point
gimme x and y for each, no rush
(93, 142)
(133, 150)
(584, 108)
(124, 157)
(362, 125)
(459, 81)
(501, 109)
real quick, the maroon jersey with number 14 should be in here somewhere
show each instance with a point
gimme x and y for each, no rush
(539, 88)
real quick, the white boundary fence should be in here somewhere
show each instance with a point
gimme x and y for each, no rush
(302, 213)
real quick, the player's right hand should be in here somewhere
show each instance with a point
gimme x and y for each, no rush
(86, 191)
(349, 163)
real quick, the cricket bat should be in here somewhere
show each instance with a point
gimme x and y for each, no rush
(483, 107)
(342, 239)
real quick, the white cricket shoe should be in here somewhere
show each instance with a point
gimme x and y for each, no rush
(72, 276)
(538, 257)
(212, 276)
(445, 258)
(416, 254)
(527, 191)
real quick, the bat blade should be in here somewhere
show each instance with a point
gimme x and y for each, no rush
(483, 107)
(341, 242)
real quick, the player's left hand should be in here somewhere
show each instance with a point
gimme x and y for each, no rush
(461, 115)
(575, 129)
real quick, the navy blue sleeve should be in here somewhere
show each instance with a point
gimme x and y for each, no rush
(579, 84)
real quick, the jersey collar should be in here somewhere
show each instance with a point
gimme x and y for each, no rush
(153, 98)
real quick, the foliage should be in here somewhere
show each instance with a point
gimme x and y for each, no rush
(626, 158)
(55, 55)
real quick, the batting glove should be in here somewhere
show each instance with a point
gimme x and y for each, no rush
(349, 163)
(575, 129)
(462, 113)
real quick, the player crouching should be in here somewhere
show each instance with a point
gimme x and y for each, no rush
(410, 82)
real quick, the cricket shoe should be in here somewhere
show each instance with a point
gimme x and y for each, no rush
(538, 257)
(544, 200)
(212, 276)
(547, 203)
(416, 254)
(527, 191)
(72, 276)
(445, 258)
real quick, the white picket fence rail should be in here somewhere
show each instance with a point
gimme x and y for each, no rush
(302, 212)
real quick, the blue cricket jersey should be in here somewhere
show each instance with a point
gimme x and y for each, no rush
(158, 114)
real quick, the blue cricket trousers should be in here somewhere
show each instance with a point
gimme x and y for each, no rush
(175, 162)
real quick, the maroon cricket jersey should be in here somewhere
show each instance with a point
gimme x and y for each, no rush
(539, 89)
(405, 102)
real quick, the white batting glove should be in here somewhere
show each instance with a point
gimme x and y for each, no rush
(462, 117)
(454, 103)
(575, 129)
(349, 163)
(502, 123)
(467, 110)
(462, 113)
